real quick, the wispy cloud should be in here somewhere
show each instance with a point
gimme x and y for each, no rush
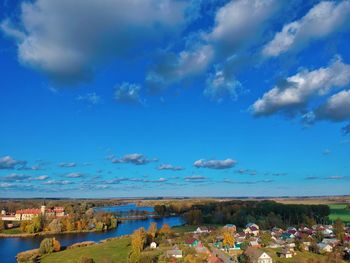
(90, 98)
(68, 165)
(215, 164)
(134, 158)
(169, 167)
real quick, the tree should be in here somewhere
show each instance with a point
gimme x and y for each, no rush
(165, 230)
(152, 230)
(265, 239)
(229, 240)
(2, 225)
(138, 240)
(55, 226)
(339, 230)
(46, 246)
(56, 245)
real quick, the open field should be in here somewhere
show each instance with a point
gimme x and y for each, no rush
(111, 251)
(326, 200)
(341, 211)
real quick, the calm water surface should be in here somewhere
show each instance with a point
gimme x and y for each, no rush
(9, 247)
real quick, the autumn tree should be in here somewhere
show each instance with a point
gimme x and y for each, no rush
(265, 239)
(2, 225)
(229, 240)
(339, 230)
(56, 245)
(138, 240)
(46, 246)
(165, 230)
(152, 230)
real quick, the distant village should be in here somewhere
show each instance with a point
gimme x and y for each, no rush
(226, 244)
(31, 213)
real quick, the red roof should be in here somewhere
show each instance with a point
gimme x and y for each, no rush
(29, 211)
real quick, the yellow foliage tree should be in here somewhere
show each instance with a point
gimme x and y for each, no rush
(228, 239)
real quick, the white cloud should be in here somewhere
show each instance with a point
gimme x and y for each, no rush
(297, 90)
(169, 167)
(75, 175)
(67, 39)
(238, 26)
(134, 158)
(68, 165)
(215, 164)
(337, 107)
(128, 93)
(219, 87)
(7, 162)
(91, 98)
(321, 21)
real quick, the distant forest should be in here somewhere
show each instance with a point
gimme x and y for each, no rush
(266, 214)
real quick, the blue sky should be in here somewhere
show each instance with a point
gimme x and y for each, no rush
(174, 98)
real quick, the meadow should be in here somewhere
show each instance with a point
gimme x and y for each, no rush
(341, 211)
(111, 251)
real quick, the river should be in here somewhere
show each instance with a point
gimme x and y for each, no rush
(10, 247)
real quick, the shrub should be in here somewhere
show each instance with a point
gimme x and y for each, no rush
(86, 260)
(28, 256)
(46, 246)
(56, 245)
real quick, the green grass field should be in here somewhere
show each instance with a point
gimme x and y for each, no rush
(340, 211)
(12, 231)
(111, 251)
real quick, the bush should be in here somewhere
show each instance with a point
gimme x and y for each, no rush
(28, 256)
(86, 260)
(46, 246)
(56, 245)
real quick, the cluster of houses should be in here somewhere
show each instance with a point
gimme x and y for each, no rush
(29, 214)
(284, 241)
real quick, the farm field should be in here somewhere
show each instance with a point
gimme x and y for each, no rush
(341, 211)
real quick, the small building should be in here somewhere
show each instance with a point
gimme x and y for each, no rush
(285, 253)
(202, 229)
(257, 256)
(251, 229)
(174, 253)
(153, 245)
(192, 242)
(324, 248)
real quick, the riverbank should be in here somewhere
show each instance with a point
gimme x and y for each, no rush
(48, 233)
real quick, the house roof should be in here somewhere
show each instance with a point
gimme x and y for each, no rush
(254, 252)
(29, 211)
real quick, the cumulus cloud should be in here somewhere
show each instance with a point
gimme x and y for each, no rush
(294, 93)
(337, 107)
(90, 98)
(219, 87)
(134, 158)
(68, 165)
(322, 20)
(238, 25)
(169, 167)
(215, 164)
(7, 162)
(50, 36)
(128, 93)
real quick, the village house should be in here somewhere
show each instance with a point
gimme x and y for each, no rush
(324, 248)
(174, 253)
(153, 245)
(251, 229)
(285, 253)
(257, 256)
(202, 229)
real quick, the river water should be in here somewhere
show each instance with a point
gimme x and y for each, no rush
(10, 247)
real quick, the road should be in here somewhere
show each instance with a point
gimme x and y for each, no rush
(222, 255)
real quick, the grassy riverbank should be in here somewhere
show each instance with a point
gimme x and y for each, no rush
(15, 232)
(116, 250)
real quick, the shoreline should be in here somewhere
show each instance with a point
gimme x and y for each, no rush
(24, 235)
